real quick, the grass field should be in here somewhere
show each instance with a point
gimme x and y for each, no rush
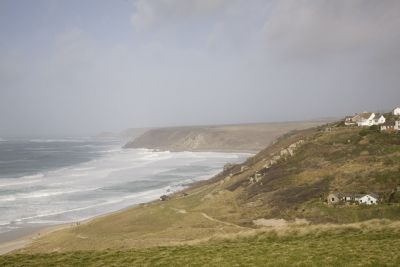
(373, 243)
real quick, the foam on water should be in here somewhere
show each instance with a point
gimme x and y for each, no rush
(115, 180)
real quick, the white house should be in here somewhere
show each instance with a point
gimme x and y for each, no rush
(369, 199)
(379, 119)
(369, 119)
(366, 119)
(396, 111)
(349, 120)
(388, 126)
(391, 126)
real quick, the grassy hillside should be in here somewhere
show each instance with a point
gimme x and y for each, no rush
(282, 187)
(370, 244)
(243, 137)
(330, 159)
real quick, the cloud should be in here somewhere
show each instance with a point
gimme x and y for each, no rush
(201, 62)
(148, 14)
(319, 29)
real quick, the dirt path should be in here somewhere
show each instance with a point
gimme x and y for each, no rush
(219, 221)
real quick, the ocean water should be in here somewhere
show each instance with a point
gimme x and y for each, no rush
(52, 181)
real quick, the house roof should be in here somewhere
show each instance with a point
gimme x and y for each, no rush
(353, 195)
(336, 194)
(372, 195)
(389, 123)
(365, 115)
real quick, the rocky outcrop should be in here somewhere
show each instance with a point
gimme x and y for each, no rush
(284, 153)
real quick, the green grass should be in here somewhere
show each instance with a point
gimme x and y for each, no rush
(318, 212)
(335, 246)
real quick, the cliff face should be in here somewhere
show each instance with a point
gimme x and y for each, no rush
(245, 137)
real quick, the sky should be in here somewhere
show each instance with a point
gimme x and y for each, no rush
(87, 66)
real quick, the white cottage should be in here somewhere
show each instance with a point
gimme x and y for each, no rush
(369, 119)
(366, 119)
(391, 126)
(396, 111)
(369, 199)
(379, 119)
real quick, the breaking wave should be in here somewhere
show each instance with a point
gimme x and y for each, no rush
(117, 179)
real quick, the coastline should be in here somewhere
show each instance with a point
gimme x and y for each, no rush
(15, 240)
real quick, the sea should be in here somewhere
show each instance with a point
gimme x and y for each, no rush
(63, 180)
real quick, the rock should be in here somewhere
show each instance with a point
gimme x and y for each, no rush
(244, 168)
(228, 166)
(164, 198)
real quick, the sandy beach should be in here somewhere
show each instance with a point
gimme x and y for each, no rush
(20, 238)
(14, 240)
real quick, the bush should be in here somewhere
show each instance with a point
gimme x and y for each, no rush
(364, 132)
(374, 128)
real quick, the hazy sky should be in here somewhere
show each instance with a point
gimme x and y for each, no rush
(80, 66)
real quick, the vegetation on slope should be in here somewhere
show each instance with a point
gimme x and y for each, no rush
(331, 159)
(370, 244)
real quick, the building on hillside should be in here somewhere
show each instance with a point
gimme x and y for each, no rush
(350, 197)
(379, 119)
(348, 121)
(369, 199)
(369, 119)
(333, 198)
(366, 119)
(390, 126)
(340, 198)
(396, 111)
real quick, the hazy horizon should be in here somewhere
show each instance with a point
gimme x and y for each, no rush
(84, 67)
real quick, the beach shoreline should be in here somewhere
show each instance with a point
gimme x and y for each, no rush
(13, 241)
(26, 233)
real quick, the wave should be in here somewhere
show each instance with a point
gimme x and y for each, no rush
(42, 194)
(18, 183)
(83, 169)
(146, 196)
(61, 140)
(94, 187)
(32, 176)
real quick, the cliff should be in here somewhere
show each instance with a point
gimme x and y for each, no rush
(243, 137)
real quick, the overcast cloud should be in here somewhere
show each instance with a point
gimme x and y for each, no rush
(87, 66)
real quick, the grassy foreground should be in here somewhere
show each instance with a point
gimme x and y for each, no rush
(373, 243)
